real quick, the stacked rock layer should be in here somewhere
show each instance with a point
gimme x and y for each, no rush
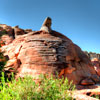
(41, 52)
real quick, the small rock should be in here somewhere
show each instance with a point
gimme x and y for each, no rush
(87, 81)
(47, 25)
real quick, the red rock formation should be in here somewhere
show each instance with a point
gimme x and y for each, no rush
(18, 31)
(7, 29)
(7, 39)
(96, 64)
(6, 33)
(47, 53)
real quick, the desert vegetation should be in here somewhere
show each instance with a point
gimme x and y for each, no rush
(26, 89)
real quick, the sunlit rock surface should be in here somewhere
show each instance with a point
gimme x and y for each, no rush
(47, 52)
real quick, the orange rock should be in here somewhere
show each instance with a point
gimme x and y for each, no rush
(95, 59)
(48, 53)
(67, 70)
(6, 39)
(96, 64)
(87, 81)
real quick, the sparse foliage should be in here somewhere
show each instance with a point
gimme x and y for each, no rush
(26, 89)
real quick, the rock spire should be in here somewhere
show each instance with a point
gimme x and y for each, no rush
(46, 26)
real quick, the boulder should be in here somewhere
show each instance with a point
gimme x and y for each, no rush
(49, 52)
(87, 81)
(96, 64)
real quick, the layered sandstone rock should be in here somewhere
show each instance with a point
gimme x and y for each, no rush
(96, 64)
(5, 29)
(92, 55)
(47, 52)
(95, 59)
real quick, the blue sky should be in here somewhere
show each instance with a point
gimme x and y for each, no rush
(77, 19)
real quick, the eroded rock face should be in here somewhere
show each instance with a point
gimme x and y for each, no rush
(96, 64)
(7, 39)
(6, 33)
(6, 29)
(18, 31)
(42, 52)
(92, 55)
(95, 59)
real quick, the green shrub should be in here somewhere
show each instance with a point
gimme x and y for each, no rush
(2, 61)
(97, 96)
(26, 89)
